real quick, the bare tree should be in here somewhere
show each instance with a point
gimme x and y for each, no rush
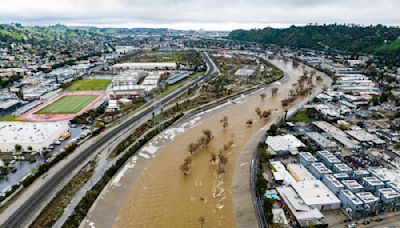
(208, 134)
(213, 158)
(220, 170)
(192, 148)
(202, 221)
(274, 91)
(266, 113)
(185, 167)
(259, 112)
(224, 121)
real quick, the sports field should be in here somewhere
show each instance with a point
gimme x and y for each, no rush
(68, 104)
(89, 84)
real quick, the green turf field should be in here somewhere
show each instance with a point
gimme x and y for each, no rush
(67, 105)
(89, 84)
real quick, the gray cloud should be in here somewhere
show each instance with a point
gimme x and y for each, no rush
(209, 14)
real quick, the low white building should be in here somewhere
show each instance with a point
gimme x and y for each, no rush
(146, 66)
(29, 134)
(315, 194)
(283, 144)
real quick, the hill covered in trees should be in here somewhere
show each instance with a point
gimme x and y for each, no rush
(378, 40)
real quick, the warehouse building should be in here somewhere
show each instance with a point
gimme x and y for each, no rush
(304, 214)
(299, 172)
(146, 66)
(29, 135)
(281, 175)
(321, 141)
(315, 194)
(283, 145)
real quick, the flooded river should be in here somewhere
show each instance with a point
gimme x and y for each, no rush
(157, 194)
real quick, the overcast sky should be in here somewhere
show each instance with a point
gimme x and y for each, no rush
(196, 14)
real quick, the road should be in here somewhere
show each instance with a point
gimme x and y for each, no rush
(21, 216)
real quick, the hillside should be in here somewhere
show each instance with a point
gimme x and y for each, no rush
(379, 40)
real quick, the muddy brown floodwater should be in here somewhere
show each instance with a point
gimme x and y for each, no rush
(162, 196)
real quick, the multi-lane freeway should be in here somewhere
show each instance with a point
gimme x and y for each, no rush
(21, 216)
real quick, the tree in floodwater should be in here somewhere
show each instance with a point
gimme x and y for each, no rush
(202, 221)
(224, 121)
(185, 167)
(263, 95)
(259, 112)
(249, 122)
(274, 91)
(192, 148)
(266, 113)
(208, 134)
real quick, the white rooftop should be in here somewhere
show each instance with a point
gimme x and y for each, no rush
(315, 193)
(297, 206)
(284, 143)
(28, 132)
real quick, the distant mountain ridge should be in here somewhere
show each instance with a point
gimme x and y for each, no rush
(378, 40)
(27, 34)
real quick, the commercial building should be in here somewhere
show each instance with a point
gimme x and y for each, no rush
(342, 168)
(146, 66)
(177, 76)
(368, 198)
(372, 184)
(353, 186)
(338, 135)
(328, 158)
(30, 136)
(281, 175)
(350, 200)
(341, 176)
(359, 174)
(333, 184)
(282, 145)
(306, 158)
(299, 172)
(304, 214)
(321, 141)
(315, 194)
(319, 170)
(388, 195)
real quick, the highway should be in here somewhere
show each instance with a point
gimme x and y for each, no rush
(28, 209)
